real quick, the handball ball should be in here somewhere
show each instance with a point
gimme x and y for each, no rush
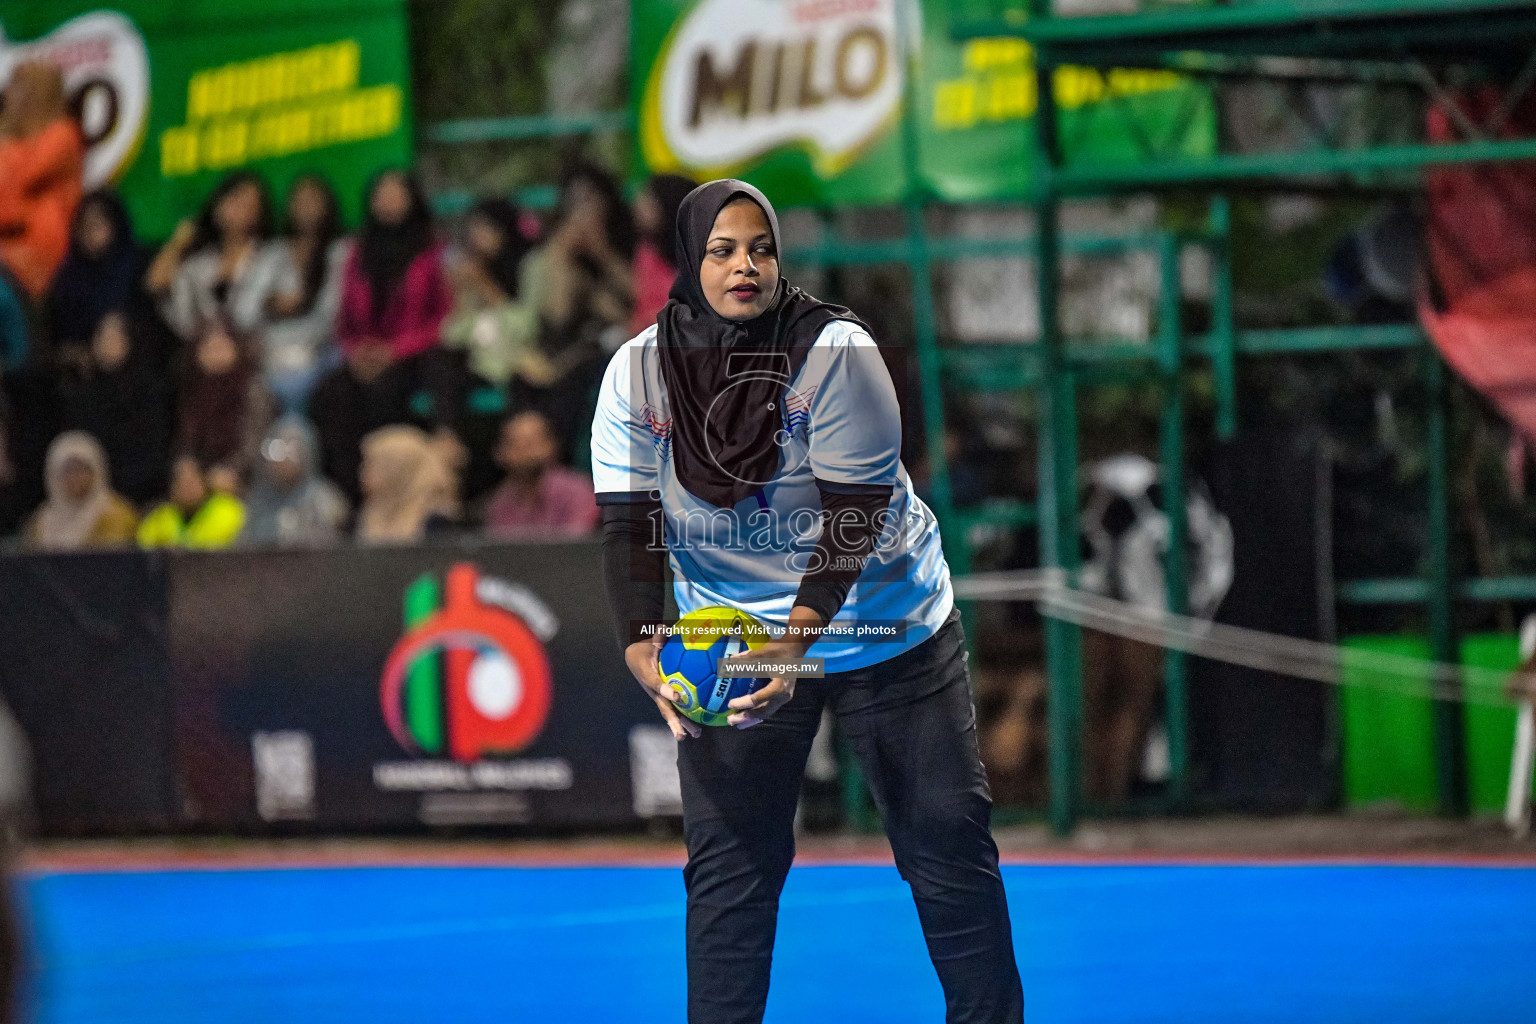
(689, 655)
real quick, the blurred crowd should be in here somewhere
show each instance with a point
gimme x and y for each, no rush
(265, 378)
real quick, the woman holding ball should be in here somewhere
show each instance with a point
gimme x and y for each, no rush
(753, 438)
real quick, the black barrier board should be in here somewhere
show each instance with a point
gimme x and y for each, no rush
(389, 687)
(84, 671)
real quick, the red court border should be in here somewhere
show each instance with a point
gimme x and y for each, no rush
(545, 856)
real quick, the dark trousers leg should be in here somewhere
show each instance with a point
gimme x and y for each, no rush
(740, 788)
(911, 723)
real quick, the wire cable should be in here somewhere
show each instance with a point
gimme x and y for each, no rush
(1270, 652)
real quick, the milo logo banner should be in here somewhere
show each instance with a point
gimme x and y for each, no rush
(805, 98)
(172, 96)
(106, 77)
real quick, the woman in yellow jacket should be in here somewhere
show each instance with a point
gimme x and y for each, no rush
(194, 516)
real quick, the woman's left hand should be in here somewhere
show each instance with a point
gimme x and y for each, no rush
(753, 708)
(758, 705)
(285, 304)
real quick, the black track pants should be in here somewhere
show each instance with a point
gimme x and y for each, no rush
(910, 722)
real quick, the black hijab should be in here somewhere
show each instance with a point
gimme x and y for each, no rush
(725, 421)
(129, 409)
(386, 251)
(88, 287)
(505, 266)
(669, 191)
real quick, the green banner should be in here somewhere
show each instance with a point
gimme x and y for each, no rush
(806, 98)
(173, 96)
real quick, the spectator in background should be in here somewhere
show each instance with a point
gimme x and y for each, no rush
(123, 399)
(295, 293)
(15, 341)
(539, 497)
(42, 158)
(290, 503)
(409, 488)
(204, 272)
(579, 281)
(195, 515)
(655, 264)
(394, 294)
(17, 813)
(81, 511)
(15, 335)
(102, 273)
(225, 407)
(28, 407)
(394, 299)
(499, 333)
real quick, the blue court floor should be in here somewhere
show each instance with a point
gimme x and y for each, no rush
(416, 945)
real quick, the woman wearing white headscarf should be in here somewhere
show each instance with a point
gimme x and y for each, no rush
(82, 511)
(409, 487)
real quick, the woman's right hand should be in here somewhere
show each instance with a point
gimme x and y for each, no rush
(282, 305)
(641, 658)
(537, 369)
(369, 359)
(186, 230)
(162, 269)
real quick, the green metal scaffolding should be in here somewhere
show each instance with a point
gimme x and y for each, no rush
(1352, 38)
(1364, 40)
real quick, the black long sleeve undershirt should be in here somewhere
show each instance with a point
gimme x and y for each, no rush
(634, 568)
(850, 526)
(635, 558)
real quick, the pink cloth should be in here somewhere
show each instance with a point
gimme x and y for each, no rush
(1482, 217)
(412, 317)
(1489, 337)
(653, 283)
(1482, 252)
(562, 506)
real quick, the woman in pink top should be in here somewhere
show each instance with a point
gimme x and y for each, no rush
(394, 294)
(656, 256)
(394, 298)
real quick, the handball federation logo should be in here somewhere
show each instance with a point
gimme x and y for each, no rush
(470, 677)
